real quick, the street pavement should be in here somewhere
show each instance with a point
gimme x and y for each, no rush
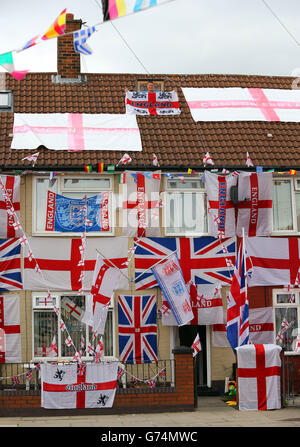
(211, 412)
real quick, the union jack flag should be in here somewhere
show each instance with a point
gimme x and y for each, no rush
(137, 329)
(10, 264)
(237, 304)
(202, 259)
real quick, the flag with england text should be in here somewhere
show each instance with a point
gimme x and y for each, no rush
(10, 329)
(62, 387)
(9, 204)
(137, 329)
(152, 103)
(140, 204)
(237, 304)
(201, 259)
(221, 215)
(10, 265)
(255, 214)
(60, 261)
(243, 104)
(77, 215)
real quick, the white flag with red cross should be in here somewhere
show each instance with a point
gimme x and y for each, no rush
(106, 279)
(9, 204)
(59, 260)
(10, 331)
(140, 204)
(196, 346)
(76, 131)
(63, 387)
(273, 261)
(261, 325)
(207, 304)
(255, 213)
(259, 375)
(221, 216)
(72, 308)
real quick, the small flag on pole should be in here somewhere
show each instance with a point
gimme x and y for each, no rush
(249, 161)
(32, 158)
(155, 160)
(196, 345)
(125, 159)
(207, 159)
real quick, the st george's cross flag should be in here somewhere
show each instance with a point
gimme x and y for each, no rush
(221, 215)
(169, 276)
(237, 303)
(207, 304)
(196, 346)
(106, 279)
(152, 103)
(259, 375)
(201, 259)
(261, 325)
(140, 204)
(243, 104)
(273, 261)
(137, 329)
(73, 309)
(59, 260)
(63, 387)
(77, 215)
(10, 330)
(76, 131)
(255, 213)
(9, 200)
(10, 265)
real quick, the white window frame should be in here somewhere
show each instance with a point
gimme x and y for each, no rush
(57, 296)
(63, 191)
(294, 231)
(165, 208)
(284, 291)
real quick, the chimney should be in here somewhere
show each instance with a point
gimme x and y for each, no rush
(68, 61)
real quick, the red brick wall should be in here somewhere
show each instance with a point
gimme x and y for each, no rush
(180, 397)
(68, 61)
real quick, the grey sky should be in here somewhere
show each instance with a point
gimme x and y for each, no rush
(182, 36)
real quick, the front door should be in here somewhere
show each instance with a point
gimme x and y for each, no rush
(187, 335)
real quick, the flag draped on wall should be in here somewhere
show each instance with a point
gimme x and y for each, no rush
(137, 329)
(255, 213)
(152, 103)
(77, 215)
(10, 265)
(237, 303)
(170, 279)
(9, 200)
(140, 204)
(243, 104)
(273, 261)
(202, 259)
(62, 269)
(207, 305)
(221, 216)
(62, 387)
(76, 131)
(261, 325)
(10, 331)
(259, 374)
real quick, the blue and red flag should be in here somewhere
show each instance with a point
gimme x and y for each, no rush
(10, 264)
(237, 303)
(137, 329)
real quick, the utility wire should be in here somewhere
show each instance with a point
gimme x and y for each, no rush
(281, 23)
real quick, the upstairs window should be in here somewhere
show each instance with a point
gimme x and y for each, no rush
(286, 308)
(6, 101)
(185, 207)
(73, 187)
(286, 205)
(142, 85)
